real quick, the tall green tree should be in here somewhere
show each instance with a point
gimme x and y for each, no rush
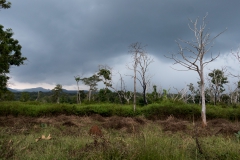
(92, 83)
(10, 51)
(105, 95)
(218, 79)
(57, 90)
(7, 96)
(4, 4)
(106, 76)
(105, 73)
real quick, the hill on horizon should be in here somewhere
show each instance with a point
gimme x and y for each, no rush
(37, 89)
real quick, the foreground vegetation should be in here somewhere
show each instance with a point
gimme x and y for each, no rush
(123, 138)
(148, 133)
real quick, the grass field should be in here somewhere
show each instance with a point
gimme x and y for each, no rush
(122, 138)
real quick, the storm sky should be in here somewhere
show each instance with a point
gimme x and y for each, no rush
(63, 39)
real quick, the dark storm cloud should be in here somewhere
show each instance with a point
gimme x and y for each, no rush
(65, 38)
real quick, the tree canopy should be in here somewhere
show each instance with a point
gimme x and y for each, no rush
(218, 79)
(4, 4)
(10, 51)
(57, 90)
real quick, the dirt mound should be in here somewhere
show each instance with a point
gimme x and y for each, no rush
(131, 125)
(214, 127)
(174, 125)
(96, 131)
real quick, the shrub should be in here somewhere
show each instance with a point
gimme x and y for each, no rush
(152, 111)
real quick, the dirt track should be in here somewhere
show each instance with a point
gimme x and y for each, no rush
(130, 125)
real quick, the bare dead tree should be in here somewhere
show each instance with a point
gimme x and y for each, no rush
(182, 94)
(193, 92)
(144, 80)
(234, 93)
(135, 50)
(38, 96)
(237, 54)
(77, 79)
(127, 95)
(160, 92)
(195, 61)
(141, 62)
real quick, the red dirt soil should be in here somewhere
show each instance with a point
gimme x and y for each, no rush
(95, 130)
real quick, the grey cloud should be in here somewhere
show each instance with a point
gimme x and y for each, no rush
(64, 38)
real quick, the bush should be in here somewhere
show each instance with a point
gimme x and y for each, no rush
(152, 111)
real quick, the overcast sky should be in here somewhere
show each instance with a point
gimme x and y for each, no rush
(63, 39)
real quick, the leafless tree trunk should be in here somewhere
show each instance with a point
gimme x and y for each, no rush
(136, 50)
(144, 79)
(237, 54)
(234, 94)
(38, 96)
(230, 93)
(77, 78)
(195, 60)
(182, 94)
(160, 92)
(193, 92)
(140, 66)
(127, 95)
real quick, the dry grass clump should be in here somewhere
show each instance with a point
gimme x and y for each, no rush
(223, 126)
(140, 120)
(174, 125)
